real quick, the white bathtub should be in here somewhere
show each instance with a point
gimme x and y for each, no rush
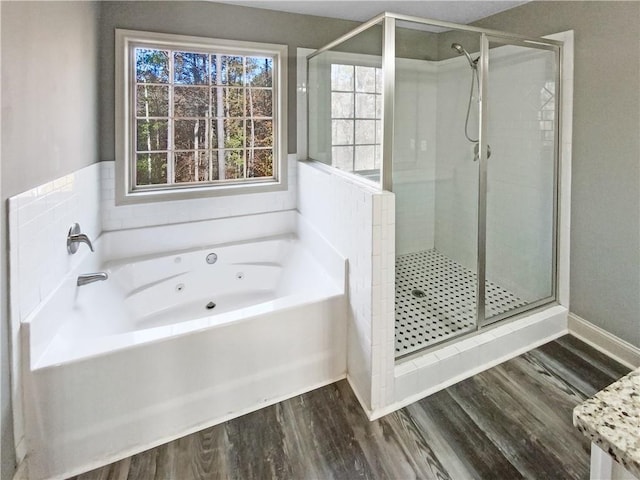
(118, 366)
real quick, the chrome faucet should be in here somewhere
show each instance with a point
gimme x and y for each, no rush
(87, 278)
(74, 237)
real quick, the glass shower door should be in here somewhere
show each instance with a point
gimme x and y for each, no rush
(435, 182)
(521, 171)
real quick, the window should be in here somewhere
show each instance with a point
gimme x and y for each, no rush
(198, 116)
(356, 112)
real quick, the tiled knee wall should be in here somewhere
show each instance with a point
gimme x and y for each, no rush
(358, 220)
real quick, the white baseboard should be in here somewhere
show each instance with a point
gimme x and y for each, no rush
(601, 340)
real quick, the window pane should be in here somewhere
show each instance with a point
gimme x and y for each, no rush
(152, 66)
(152, 101)
(259, 163)
(230, 71)
(365, 79)
(202, 117)
(342, 158)
(191, 101)
(342, 77)
(234, 164)
(233, 102)
(259, 102)
(190, 134)
(379, 78)
(379, 103)
(151, 135)
(191, 167)
(365, 157)
(213, 136)
(191, 68)
(259, 71)
(217, 102)
(233, 134)
(259, 133)
(341, 132)
(365, 131)
(151, 168)
(214, 165)
(365, 105)
(341, 105)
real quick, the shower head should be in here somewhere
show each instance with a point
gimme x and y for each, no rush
(461, 51)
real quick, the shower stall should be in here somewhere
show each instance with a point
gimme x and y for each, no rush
(462, 125)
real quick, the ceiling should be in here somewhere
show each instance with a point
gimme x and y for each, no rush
(456, 11)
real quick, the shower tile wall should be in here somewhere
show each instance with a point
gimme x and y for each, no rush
(415, 155)
(456, 202)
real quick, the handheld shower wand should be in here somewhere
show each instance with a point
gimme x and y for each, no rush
(474, 76)
(461, 51)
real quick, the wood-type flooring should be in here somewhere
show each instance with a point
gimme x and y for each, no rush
(512, 421)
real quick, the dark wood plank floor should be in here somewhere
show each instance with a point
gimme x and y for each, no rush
(512, 421)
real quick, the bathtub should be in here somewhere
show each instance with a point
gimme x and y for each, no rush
(174, 342)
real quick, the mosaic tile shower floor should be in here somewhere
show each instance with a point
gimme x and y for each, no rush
(435, 300)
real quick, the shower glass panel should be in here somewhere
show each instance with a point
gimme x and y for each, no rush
(345, 104)
(522, 107)
(435, 181)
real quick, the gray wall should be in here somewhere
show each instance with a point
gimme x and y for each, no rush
(49, 69)
(49, 128)
(605, 204)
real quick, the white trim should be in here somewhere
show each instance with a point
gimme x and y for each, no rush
(607, 343)
(367, 411)
(21, 473)
(564, 172)
(125, 40)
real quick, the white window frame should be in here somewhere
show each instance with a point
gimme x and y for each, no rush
(126, 42)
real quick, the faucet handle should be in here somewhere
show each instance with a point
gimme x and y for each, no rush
(74, 237)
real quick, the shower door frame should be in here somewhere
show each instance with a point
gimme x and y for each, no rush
(486, 35)
(556, 47)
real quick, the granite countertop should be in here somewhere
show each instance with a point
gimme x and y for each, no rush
(611, 420)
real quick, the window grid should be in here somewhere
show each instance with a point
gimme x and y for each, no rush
(354, 145)
(216, 89)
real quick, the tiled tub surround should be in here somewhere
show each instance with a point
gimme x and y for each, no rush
(105, 376)
(38, 259)
(117, 217)
(611, 420)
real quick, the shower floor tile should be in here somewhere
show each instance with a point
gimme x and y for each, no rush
(435, 300)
